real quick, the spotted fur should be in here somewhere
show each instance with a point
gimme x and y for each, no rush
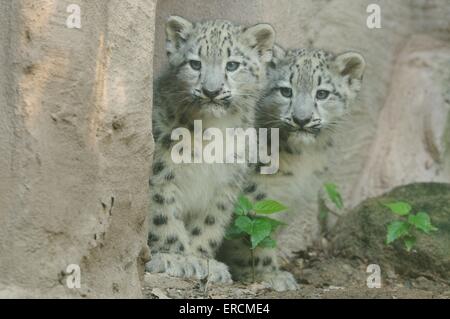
(307, 121)
(217, 71)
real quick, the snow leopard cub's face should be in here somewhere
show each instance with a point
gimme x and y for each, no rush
(220, 66)
(309, 92)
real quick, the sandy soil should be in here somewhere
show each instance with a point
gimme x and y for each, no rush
(319, 277)
(336, 266)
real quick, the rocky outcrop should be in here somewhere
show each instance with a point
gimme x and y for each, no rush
(362, 233)
(75, 145)
(412, 142)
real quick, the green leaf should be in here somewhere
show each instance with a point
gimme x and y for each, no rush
(234, 232)
(273, 222)
(335, 196)
(399, 208)
(268, 207)
(238, 210)
(243, 206)
(261, 229)
(422, 222)
(396, 230)
(268, 243)
(409, 241)
(245, 224)
(323, 214)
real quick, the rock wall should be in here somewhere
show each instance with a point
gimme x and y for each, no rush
(412, 141)
(398, 97)
(75, 145)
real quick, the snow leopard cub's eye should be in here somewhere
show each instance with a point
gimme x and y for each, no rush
(232, 66)
(322, 94)
(196, 65)
(286, 92)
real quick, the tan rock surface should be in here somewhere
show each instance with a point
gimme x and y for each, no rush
(412, 140)
(75, 145)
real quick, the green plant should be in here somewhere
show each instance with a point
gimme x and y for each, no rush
(334, 194)
(335, 197)
(408, 224)
(252, 224)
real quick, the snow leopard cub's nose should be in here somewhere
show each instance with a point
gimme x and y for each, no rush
(302, 122)
(212, 94)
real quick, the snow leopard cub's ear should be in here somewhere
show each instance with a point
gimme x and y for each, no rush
(262, 38)
(177, 32)
(278, 54)
(351, 64)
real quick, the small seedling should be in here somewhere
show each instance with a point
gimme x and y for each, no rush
(409, 223)
(253, 225)
(335, 197)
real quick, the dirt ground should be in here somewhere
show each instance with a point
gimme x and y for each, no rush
(320, 277)
(336, 265)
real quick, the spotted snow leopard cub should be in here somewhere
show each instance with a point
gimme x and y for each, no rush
(309, 93)
(217, 71)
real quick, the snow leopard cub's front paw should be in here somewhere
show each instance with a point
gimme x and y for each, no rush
(280, 280)
(188, 267)
(218, 272)
(176, 265)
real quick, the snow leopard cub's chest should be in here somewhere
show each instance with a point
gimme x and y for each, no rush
(198, 184)
(294, 183)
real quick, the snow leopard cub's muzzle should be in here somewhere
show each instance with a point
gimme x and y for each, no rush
(300, 118)
(213, 89)
(305, 124)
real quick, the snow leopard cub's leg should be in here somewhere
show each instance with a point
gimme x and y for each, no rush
(266, 269)
(168, 238)
(208, 229)
(184, 244)
(263, 266)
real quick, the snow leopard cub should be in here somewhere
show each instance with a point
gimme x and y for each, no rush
(309, 92)
(217, 71)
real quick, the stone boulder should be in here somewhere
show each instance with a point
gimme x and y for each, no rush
(362, 232)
